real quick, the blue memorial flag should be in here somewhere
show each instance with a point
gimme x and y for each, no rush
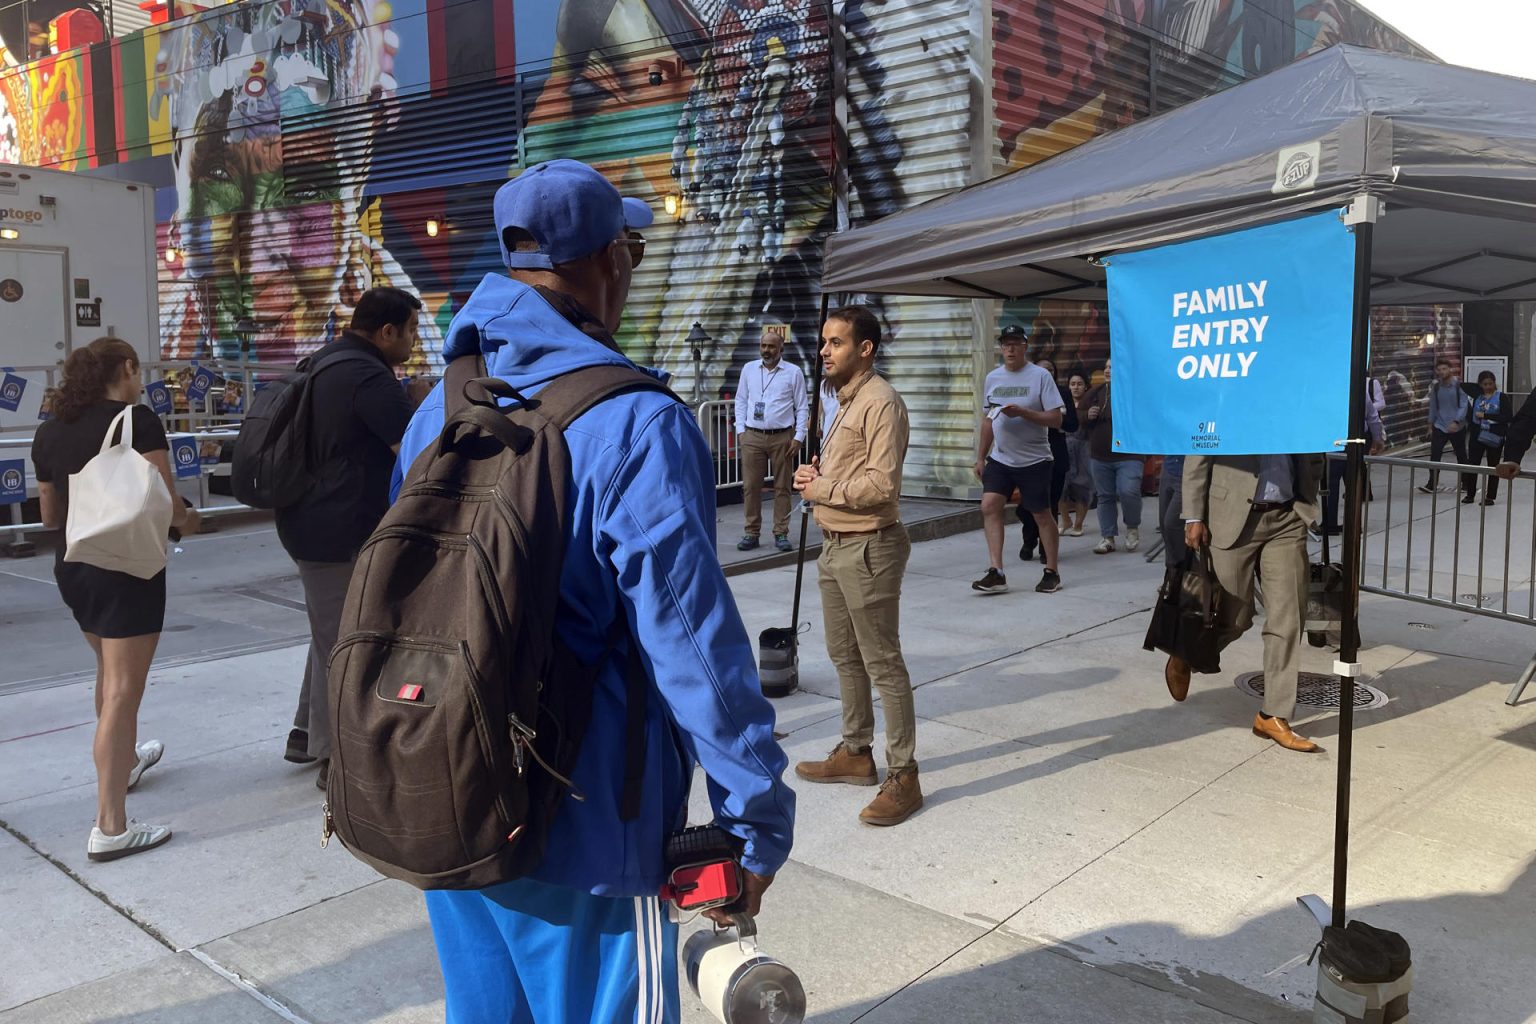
(202, 382)
(159, 394)
(13, 481)
(184, 455)
(1237, 344)
(12, 387)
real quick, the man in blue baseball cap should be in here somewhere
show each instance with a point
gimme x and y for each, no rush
(584, 936)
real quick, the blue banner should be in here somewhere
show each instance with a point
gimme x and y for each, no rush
(12, 388)
(159, 394)
(202, 382)
(13, 481)
(1234, 345)
(184, 455)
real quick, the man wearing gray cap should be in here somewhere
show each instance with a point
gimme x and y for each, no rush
(583, 936)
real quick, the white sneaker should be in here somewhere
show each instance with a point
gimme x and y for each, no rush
(1132, 538)
(150, 752)
(1076, 531)
(1105, 546)
(137, 838)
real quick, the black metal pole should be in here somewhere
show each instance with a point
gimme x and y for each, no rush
(1349, 641)
(813, 448)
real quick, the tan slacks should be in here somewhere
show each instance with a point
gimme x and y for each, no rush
(1274, 544)
(759, 452)
(861, 612)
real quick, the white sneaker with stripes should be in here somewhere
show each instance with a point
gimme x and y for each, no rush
(150, 752)
(137, 838)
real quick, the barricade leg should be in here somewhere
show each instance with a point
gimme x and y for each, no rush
(1521, 683)
(19, 547)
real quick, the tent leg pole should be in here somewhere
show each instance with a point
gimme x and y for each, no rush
(813, 448)
(1349, 647)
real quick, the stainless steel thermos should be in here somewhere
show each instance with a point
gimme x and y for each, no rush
(739, 983)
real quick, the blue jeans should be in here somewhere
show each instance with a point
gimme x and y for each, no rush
(1118, 483)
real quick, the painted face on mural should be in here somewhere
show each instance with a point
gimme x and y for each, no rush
(271, 228)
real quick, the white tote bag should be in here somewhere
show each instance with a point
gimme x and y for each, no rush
(119, 508)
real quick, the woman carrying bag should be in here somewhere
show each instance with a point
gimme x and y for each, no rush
(113, 455)
(1491, 412)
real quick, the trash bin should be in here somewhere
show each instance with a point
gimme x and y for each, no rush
(778, 661)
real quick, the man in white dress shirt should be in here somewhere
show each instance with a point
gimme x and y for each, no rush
(772, 408)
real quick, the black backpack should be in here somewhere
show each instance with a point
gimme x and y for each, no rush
(274, 462)
(456, 713)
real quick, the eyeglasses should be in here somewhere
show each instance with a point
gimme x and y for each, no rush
(636, 243)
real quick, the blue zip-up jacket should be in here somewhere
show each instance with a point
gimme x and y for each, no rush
(640, 543)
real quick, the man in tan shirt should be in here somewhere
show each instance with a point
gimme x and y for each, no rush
(855, 485)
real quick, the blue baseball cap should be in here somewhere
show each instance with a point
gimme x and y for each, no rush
(570, 209)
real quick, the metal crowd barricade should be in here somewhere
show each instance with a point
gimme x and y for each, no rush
(18, 530)
(717, 419)
(1428, 547)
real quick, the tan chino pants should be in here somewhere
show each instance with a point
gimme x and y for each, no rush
(1274, 543)
(759, 451)
(861, 612)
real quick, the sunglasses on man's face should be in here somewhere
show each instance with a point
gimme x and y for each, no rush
(636, 243)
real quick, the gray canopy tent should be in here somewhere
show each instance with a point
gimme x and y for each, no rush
(1436, 165)
(1450, 150)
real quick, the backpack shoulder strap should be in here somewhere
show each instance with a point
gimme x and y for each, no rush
(563, 400)
(459, 373)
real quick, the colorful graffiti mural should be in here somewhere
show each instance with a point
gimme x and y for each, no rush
(303, 150)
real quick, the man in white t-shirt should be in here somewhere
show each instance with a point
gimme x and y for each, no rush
(1021, 404)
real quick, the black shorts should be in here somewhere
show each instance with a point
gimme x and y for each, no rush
(1033, 483)
(111, 604)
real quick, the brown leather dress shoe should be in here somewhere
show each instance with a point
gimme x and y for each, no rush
(1176, 674)
(899, 798)
(842, 765)
(1279, 730)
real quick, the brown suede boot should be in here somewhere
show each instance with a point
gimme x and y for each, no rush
(842, 765)
(899, 798)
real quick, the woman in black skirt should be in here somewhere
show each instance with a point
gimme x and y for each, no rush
(120, 615)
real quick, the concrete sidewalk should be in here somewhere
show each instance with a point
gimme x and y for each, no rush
(1089, 852)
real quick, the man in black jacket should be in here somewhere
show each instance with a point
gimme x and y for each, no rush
(359, 416)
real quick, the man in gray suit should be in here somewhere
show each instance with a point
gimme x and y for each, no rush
(1254, 510)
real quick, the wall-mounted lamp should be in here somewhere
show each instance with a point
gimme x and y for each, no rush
(698, 340)
(171, 254)
(663, 71)
(673, 204)
(431, 228)
(9, 234)
(1428, 341)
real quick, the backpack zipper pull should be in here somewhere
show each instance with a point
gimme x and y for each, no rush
(329, 826)
(520, 735)
(522, 739)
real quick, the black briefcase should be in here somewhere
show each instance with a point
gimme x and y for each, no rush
(1185, 618)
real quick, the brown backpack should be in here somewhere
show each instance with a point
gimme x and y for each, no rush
(456, 712)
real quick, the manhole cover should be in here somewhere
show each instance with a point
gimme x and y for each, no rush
(1421, 625)
(1315, 690)
(1486, 601)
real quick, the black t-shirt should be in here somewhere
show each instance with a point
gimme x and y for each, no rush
(61, 448)
(360, 410)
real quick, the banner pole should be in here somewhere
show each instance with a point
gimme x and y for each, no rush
(1361, 215)
(812, 448)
